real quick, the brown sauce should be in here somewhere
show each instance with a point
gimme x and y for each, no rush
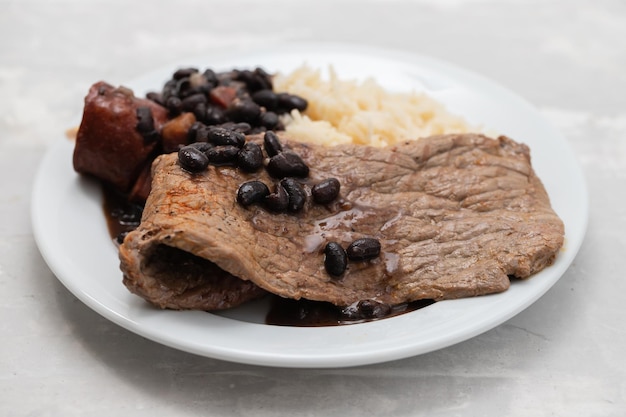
(121, 215)
(306, 313)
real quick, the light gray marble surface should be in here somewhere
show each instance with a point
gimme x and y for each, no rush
(563, 356)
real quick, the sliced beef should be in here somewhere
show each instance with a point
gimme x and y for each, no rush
(455, 215)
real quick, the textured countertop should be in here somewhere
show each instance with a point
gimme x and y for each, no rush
(561, 356)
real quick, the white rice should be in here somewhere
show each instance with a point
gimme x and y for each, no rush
(348, 111)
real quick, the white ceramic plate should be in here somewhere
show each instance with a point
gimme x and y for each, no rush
(71, 232)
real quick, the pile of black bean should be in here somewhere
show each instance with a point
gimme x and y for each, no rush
(237, 96)
(219, 146)
(336, 258)
(228, 146)
(288, 194)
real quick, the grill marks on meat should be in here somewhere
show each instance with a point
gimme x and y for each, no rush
(456, 215)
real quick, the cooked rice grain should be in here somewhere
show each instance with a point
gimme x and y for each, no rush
(346, 111)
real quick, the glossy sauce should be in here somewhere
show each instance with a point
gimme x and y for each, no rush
(306, 313)
(121, 215)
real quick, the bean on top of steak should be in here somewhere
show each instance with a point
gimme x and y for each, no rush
(226, 146)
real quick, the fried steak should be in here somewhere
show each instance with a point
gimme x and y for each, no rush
(456, 216)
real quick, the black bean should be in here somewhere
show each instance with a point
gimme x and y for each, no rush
(203, 89)
(182, 87)
(265, 98)
(129, 219)
(130, 215)
(211, 77)
(201, 146)
(183, 73)
(242, 75)
(198, 132)
(189, 103)
(145, 121)
(222, 155)
(156, 97)
(200, 111)
(174, 105)
(151, 137)
(116, 212)
(278, 201)
(214, 115)
(287, 164)
(120, 237)
(169, 89)
(367, 309)
(241, 127)
(271, 144)
(243, 111)
(192, 159)
(221, 136)
(250, 157)
(265, 77)
(269, 120)
(325, 191)
(291, 101)
(145, 125)
(198, 89)
(193, 131)
(336, 260)
(252, 192)
(296, 192)
(253, 80)
(363, 249)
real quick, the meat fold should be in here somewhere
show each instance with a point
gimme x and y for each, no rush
(456, 215)
(175, 279)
